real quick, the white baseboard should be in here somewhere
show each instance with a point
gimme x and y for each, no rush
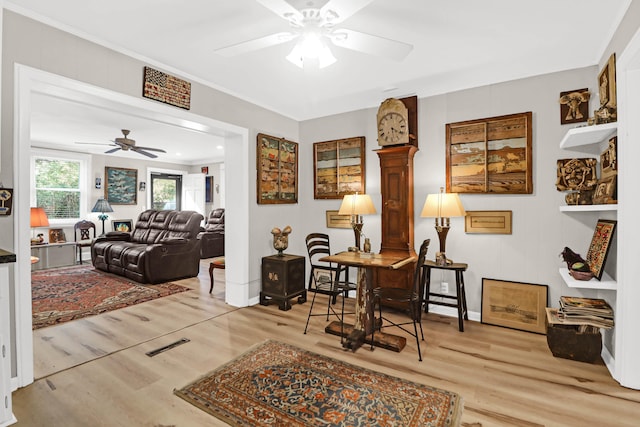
(452, 312)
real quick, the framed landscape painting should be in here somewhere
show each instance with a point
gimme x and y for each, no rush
(492, 155)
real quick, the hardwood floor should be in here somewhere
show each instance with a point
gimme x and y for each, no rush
(94, 371)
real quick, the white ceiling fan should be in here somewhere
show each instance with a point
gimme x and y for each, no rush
(313, 27)
(126, 144)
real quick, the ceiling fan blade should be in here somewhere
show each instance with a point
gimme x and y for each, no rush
(373, 45)
(336, 11)
(93, 143)
(138, 150)
(150, 149)
(255, 44)
(283, 10)
(113, 150)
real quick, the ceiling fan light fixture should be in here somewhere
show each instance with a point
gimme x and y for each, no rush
(311, 49)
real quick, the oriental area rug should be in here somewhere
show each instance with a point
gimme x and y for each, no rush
(64, 294)
(277, 384)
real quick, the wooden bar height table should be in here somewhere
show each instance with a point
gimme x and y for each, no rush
(364, 322)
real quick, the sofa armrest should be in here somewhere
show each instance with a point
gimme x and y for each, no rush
(115, 236)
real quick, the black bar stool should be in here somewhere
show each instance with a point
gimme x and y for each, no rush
(459, 300)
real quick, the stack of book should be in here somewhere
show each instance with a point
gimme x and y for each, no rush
(581, 311)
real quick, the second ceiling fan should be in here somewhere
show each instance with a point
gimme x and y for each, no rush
(126, 144)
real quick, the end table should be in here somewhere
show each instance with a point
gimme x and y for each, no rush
(283, 279)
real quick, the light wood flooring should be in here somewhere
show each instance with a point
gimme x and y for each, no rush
(94, 371)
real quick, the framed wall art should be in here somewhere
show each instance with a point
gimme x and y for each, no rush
(488, 222)
(166, 88)
(609, 159)
(6, 201)
(120, 185)
(605, 191)
(514, 305)
(56, 235)
(277, 164)
(574, 106)
(599, 247)
(492, 155)
(338, 168)
(208, 189)
(335, 220)
(576, 174)
(125, 225)
(607, 83)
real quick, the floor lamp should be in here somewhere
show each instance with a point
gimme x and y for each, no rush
(102, 206)
(442, 206)
(357, 205)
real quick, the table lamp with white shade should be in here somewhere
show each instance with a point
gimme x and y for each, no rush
(357, 205)
(442, 206)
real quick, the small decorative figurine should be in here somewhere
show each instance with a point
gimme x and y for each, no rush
(280, 239)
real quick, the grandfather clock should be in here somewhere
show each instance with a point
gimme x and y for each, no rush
(397, 124)
(396, 186)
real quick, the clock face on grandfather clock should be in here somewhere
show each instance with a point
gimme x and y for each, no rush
(393, 123)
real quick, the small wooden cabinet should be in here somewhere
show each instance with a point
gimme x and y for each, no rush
(283, 279)
(396, 181)
(53, 255)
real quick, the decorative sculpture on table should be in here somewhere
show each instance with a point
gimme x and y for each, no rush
(281, 239)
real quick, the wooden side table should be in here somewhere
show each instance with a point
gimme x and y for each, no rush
(283, 279)
(460, 298)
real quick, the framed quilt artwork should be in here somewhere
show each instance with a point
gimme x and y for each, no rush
(599, 247)
(277, 164)
(492, 155)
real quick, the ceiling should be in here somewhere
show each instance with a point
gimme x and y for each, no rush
(456, 45)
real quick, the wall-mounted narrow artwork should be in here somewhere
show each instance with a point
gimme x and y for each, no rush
(490, 155)
(277, 167)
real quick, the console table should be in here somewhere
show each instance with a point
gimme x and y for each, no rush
(53, 255)
(283, 279)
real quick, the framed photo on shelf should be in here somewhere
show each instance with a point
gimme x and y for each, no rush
(120, 185)
(56, 235)
(490, 156)
(277, 164)
(514, 305)
(607, 83)
(338, 168)
(605, 191)
(609, 159)
(599, 247)
(125, 225)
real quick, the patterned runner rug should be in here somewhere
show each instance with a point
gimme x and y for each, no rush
(277, 384)
(64, 294)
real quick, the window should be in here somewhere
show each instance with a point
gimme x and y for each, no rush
(60, 185)
(166, 191)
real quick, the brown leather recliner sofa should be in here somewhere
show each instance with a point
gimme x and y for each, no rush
(212, 237)
(162, 246)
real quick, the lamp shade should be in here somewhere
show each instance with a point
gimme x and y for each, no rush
(442, 205)
(102, 206)
(357, 204)
(39, 218)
